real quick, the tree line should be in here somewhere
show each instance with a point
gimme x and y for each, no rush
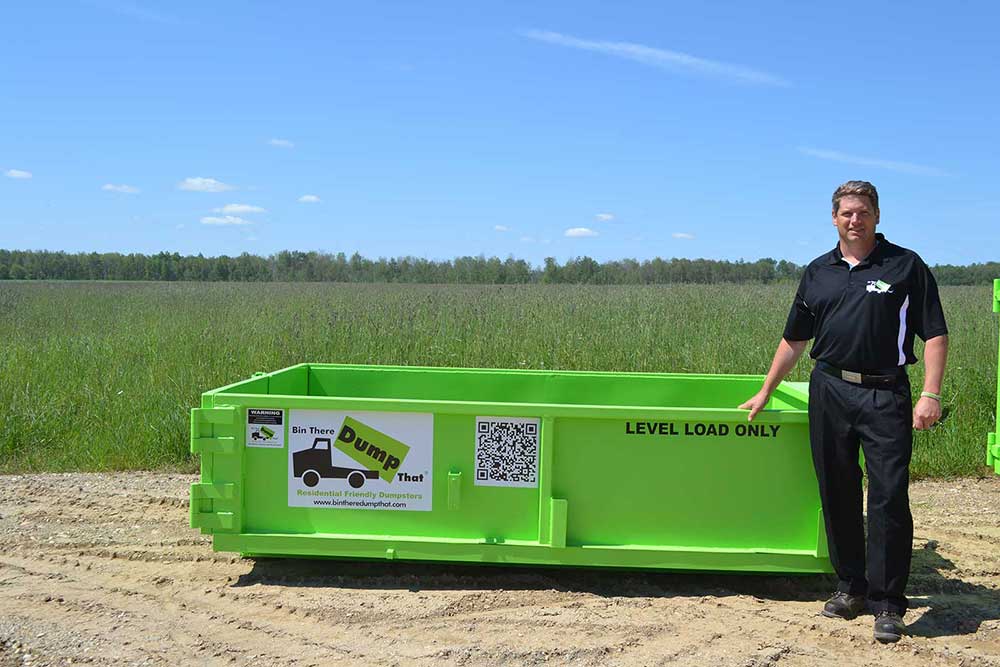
(296, 266)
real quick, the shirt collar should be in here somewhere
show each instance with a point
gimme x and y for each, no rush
(835, 256)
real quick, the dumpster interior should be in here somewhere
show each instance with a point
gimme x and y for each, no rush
(518, 386)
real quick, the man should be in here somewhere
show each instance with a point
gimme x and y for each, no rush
(863, 302)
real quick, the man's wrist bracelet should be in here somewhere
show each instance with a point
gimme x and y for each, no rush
(929, 394)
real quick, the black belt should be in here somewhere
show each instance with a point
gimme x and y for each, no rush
(880, 378)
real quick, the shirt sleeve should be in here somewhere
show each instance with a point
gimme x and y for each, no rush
(801, 323)
(925, 314)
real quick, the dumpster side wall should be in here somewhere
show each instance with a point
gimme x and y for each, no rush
(684, 488)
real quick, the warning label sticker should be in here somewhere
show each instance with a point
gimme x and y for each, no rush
(265, 428)
(360, 460)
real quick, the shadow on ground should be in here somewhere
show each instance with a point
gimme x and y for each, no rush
(954, 606)
(414, 576)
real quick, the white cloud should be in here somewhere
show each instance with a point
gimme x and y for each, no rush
(660, 58)
(202, 184)
(224, 220)
(683, 236)
(124, 189)
(579, 232)
(238, 208)
(605, 217)
(17, 173)
(892, 165)
(309, 199)
(501, 228)
(281, 143)
(527, 239)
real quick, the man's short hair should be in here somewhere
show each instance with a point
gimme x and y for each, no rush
(858, 188)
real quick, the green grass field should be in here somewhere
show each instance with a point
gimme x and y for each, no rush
(100, 376)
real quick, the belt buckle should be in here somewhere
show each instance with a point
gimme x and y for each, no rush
(851, 376)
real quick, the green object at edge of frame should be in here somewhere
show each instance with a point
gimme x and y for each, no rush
(993, 439)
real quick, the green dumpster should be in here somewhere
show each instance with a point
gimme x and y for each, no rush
(635, 470)
(993, 439)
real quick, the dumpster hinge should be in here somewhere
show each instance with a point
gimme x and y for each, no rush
(213, 520)
(993, 452)
(215, 500)
(223, 444)
(225, 414)
(207, 425)
(213, 491)
(214, 506)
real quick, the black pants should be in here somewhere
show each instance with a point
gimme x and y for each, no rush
(842, 415)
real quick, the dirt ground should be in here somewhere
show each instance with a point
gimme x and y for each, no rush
(102, 569)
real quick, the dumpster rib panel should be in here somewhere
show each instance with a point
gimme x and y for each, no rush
(557, 522)
(545, 482)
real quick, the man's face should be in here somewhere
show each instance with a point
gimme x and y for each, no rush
(856, 219)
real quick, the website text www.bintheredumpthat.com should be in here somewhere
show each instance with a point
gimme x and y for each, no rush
(369, 504)
(336, 499)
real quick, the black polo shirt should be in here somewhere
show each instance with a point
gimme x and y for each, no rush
(864, 318)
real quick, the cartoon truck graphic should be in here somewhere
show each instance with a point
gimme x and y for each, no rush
(314, 463)
(263, 433)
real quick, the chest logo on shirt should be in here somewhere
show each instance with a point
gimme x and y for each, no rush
(879, 287)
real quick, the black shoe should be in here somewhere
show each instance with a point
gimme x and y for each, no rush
(889, 627)
(844, 605)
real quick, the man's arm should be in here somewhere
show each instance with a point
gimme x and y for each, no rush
(928, 410)
(785, 358)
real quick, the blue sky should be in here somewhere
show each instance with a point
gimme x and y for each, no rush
(710, 129)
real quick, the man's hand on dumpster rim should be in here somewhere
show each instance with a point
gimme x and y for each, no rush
(756, 404)
(785, 357)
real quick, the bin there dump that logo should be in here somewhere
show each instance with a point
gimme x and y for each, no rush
(371, 448)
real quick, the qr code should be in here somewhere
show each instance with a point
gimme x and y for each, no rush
(506, 451)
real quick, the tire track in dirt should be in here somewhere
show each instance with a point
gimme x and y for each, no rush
(102, 569)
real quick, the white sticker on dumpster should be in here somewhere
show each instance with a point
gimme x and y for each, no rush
(265, 428)
(507, 452)
(360, 460)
